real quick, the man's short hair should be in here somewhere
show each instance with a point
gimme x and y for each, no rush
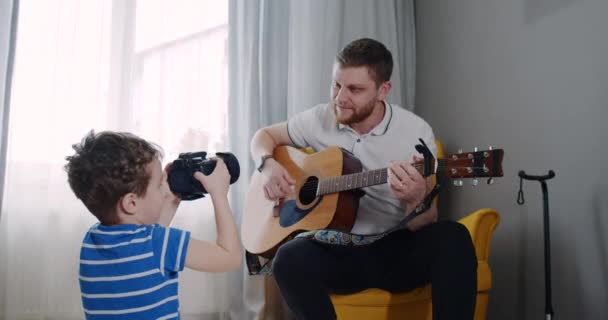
(106, 166)
(370, 53)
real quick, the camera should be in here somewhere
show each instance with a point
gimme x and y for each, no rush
(181, 173)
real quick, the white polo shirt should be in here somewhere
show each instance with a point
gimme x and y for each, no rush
(394, 138)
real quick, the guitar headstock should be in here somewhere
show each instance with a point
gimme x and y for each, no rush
(476, 164)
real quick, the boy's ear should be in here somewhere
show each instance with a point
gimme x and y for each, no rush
(128, 203)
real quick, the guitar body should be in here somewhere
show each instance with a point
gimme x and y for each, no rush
(266, 224)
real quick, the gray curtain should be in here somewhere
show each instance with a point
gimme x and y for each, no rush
(281, 55)
(257, 97)
(8, 32)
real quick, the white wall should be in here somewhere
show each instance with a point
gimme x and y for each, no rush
(530, 76)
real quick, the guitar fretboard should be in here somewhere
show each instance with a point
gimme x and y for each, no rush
(352, 181)
(363, 179)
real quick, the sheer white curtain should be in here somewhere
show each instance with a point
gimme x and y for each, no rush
(258, 97)
(8, 12)
(155, 68)
(281, 53)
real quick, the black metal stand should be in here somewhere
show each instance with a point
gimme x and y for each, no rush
(520, 200)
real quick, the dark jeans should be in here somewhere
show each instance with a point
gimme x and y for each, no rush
(442, 254)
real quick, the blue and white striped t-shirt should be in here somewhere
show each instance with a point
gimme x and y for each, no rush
(130, 271)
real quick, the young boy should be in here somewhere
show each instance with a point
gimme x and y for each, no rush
(129, 261)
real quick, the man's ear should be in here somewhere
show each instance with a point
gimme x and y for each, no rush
(384, 90)
(128, 203)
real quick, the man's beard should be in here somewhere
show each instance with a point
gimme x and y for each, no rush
(357, 115)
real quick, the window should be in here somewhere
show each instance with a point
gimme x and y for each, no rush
(180, 74)
(157, 68)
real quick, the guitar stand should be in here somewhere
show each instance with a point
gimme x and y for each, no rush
(520, 201)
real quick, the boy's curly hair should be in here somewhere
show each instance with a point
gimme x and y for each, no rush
(106, 166)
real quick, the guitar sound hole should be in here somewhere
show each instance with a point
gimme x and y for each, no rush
(308, 192)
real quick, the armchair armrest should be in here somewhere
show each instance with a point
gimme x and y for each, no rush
(481, 225)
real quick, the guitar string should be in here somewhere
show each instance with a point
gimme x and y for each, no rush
(313, 185)
(381, 171)
(416, 165)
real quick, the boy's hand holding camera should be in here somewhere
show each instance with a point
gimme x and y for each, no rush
(218, 181)
(216, 184)
(225, 253)
(170, 203)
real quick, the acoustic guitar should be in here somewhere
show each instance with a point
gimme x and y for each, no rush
(327, 191)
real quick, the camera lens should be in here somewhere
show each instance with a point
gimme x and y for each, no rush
(181, 174)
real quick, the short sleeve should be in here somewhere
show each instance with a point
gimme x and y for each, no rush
(302, 126)
(171, 245)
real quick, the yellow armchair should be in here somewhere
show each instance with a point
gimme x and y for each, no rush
(376, 304)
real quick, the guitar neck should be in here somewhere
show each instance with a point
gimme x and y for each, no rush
(356, 180)
(485, 163)
(352, 181)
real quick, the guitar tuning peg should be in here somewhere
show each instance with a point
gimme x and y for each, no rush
(458, 183)
(490, 148)
(474, 182)
(475, 149)
(459, 150)
(490, 181)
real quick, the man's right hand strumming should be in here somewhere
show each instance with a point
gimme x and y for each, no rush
(277, 181)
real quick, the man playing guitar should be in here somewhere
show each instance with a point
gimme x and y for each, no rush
(379, 134)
